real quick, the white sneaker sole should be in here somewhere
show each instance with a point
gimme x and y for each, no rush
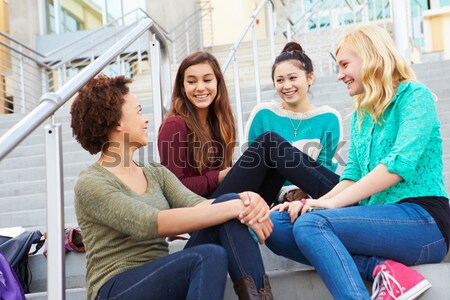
(416, 291)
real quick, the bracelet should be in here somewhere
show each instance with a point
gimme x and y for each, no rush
(303, 201)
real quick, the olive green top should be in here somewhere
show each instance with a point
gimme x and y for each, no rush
(119, 226)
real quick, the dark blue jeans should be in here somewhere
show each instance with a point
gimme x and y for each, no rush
(271, 160)
(244, 256)
(196, 273)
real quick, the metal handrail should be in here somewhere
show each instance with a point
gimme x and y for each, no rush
(50, 102)
(137, 10)
(232, 57)
(235, 46)
(59, 49)
(63, 57)
(58, 64)
(19, 43)
(14, 49)
(306, 15)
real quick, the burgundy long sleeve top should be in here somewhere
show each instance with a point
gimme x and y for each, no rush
(174, 154)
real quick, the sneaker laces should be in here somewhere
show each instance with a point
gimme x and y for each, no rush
(383, 282)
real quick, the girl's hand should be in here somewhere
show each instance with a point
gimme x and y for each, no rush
(281, 207)
(256, 209)
(319, 203)
(262, 230)
(293, 208)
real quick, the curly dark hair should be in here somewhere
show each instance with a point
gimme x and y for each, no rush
(97, 110)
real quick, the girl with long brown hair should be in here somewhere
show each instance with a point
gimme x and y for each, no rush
(196, 139)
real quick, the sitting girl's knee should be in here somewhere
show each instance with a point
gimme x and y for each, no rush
(307, 224)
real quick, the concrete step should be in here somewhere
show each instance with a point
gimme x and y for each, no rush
(289, 280)
(36, 186)
(305, 285)
(33, 173)
(30, 202)
(33, 218)
(71, 294)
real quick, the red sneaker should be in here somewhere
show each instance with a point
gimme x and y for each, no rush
(393, 280)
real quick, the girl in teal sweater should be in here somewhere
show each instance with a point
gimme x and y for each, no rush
(314, 130)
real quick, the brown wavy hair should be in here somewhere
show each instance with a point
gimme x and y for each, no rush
(97, 110)
(220, 116)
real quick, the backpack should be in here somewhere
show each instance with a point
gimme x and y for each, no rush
(16, 251)
(10, 288)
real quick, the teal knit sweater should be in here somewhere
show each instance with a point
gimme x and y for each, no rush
(407, 141)
(317, 132)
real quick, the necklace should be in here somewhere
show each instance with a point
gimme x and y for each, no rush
(293, 127)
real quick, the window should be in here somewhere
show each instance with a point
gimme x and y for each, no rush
(68, 21)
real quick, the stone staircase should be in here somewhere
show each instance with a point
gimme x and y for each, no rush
(23, 195)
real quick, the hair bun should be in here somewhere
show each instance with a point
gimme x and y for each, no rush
(292, 46)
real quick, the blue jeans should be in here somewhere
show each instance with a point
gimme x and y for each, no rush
(244, 255)
(344, 245)
(196, 273)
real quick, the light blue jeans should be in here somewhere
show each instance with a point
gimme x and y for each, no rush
(344, 245)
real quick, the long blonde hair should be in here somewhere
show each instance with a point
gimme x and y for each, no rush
(383, 68)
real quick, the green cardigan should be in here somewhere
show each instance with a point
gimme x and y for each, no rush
(119, 227)
(407, 141)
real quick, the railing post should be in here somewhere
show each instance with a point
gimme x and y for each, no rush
(174, 48)
(211, 23)
(139, 56)
(399, 11)
(22, 80)
(186, 30)
(58, 13)
(256, 64)
(270, 29)
(56, 278)
(200, 31)
(156, 90)
(45, 86)
(288, 33)
(237, 91)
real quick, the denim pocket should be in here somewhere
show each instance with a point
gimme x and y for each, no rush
(432, 253)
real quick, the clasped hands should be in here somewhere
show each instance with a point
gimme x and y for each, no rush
(256, 215)
(298, 207)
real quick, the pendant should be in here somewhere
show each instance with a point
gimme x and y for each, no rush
(295, 132)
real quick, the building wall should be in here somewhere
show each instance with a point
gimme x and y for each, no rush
(437, 36)
(170, 13)
(88, 13)
(228, 29)
(24, 21)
